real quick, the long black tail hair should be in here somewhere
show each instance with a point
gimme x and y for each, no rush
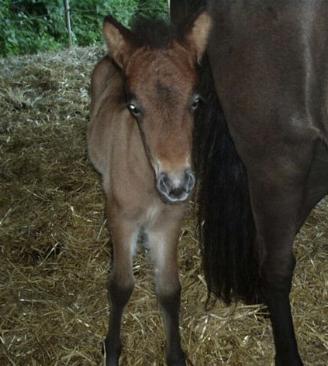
(226, 225)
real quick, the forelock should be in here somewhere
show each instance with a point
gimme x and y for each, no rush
(154, 33)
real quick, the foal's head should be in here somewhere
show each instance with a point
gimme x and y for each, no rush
(159, 67)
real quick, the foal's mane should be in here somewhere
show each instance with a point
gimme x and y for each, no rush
(153, 33)
(158, 33)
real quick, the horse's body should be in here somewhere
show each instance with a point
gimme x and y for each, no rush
(269, 61)
(140, 140)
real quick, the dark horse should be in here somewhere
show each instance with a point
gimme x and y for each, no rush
(262, 148)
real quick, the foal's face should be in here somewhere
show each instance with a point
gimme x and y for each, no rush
(161, 96)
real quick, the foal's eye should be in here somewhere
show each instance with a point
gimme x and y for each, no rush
(134, 109)
(195, 102)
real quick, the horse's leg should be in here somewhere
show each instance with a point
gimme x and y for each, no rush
(276, 210)
(121, 283)
(163, 247)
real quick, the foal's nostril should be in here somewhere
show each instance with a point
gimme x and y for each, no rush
(164, 183)
(189, 181)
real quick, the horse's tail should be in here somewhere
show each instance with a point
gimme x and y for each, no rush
(226, 226)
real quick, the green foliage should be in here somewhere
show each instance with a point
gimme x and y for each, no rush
(30, 26)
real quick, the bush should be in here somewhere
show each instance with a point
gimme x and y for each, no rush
(29, 26)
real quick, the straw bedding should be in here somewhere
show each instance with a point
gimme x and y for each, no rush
(55, 248)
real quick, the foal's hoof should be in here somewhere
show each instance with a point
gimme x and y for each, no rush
(177, 361)
(111, 354)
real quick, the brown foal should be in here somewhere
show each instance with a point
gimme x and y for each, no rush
(140, 140)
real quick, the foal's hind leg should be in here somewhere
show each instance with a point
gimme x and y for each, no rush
(163, 247)
(121, 283)
(276, 209)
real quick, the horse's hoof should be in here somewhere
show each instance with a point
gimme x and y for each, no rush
(296, 361)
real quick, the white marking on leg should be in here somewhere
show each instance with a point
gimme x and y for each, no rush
(152, 213)
(158, 255)
(134, 242)
(156, 244)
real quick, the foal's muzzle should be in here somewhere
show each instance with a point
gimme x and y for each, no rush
(175, 188)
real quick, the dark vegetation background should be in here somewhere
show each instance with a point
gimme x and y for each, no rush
(30, 26)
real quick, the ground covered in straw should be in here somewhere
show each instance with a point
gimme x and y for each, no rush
(55, 251)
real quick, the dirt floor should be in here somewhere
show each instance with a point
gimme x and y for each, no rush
(55, 251)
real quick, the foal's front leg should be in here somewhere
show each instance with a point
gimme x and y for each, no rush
(121, 283)
(163, 247)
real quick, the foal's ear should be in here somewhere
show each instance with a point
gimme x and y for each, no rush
(119, 41)
(197, 34)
